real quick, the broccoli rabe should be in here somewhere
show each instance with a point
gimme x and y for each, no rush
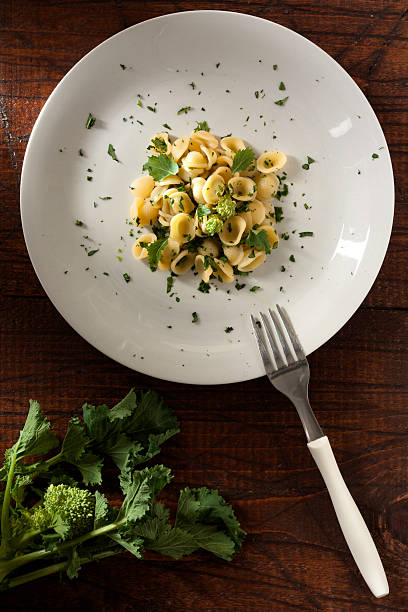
(214, 225)
(225, 206)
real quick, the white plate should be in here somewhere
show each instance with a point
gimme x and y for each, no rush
(326, 117)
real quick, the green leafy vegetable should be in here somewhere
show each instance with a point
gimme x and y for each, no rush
(242, 159)
(259, 239)
(155, 250)
(159, 144)
(50, 518)
(159, 167)
(90, 122)
(202, 211)
(112, 152)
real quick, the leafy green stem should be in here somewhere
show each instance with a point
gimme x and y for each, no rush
(5, 511)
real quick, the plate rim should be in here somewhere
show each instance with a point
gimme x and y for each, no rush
(390, 206)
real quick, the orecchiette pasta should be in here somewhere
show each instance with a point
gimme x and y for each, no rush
(206, 209)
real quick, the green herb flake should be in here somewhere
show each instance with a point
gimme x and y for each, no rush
(105, 197)
(275, 66)
(155, 250)
(184, 110)
(278, 214)
(90, 253)
(292, 258)
(79, 223)
(259, 239)
(123, 66)
(90, 122)
(255, 288)
(303, 234)
(204, 287)
(112, 152)
(281, 102)
(238, 287)
(375, 156)
(242, 159)
(202, 211)
(202, 125)
(170, 281)
(195, 317)
(166, 125)
(218, 64)
(192, 85)
(126, 277)
(228, 330)
(80, 153)
(139, 103)
(282, 86)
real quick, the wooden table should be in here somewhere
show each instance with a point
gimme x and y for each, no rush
(243, 439)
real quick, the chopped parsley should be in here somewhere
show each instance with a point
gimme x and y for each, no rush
(202, 125)
(90, 253)
(79, 223)
(90, 122)
(155, 250)
(278, 214)
(170, 281)
(238, 287)
(123, 66)
(292, 258)
(159, 145)
(126, 277)
(228, 330)
(275, 66)
(195, 317)
(184, 110)
(375, 156)
(80, 153)
(218, 64)
(202, 211)
(281, 102)
(255, 288)
(204, 287)
(259, 239)
(282, 86)
(166, 125)
(105, 197)
(89, 178)
(112, 152)
(192, 85)
(303, 234)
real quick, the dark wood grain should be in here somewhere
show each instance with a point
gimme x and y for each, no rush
(245, 439)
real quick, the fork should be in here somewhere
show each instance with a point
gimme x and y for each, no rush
(291, 377)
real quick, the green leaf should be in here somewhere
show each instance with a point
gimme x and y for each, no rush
(75, 441)
(119, 448)
(90, 122)
(242, 159)
(202, 211)
(134, 545)
(176, 543)
(90, 466)
(155, 250)
(112, 152)
(282, 102)
(74, 563)
(124, 408)
(160, 166)
(103, 510)
(259, 239)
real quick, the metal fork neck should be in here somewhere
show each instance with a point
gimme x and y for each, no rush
(312, 428)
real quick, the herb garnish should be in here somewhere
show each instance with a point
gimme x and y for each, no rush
(90, 122)
(281, 102)
(242, 159)
(159, 167)
(170, 281)
(166, 125)
(151, 108)
(80, 153)
(202, 125)
(155, 250)
(292, 258)
(202, 211)
(79, 223)
(282, 86)
(126, 277)
(238, 287)
(112, 152)
(184, 110)
(278, 214)
(90, 253)
(255, 288)
(375, 156)
(303, 234)
(204, 287)
(195, 317)
(105, 197)
(259, 239)
(228, 330)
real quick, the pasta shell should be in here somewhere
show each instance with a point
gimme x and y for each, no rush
(250, 263)
(209, 246)
(171, 180)
(179, 147)
(212, 186)
(224, 160)
(225, 172)
(243, 188)
(272, 235)
(164, 138)
(271, 161)
(156, 196)
(142, 186)
(210, 154)
(180, 202)
(234, 254)
(267, 187)
(168, 254)
(255, 215)
(142, 212)
(183, 262)
(139, 251)
(182, 228)
(232, 230)
(197, 185)
(185, 174)
(224, 271)
(199, 224)
(194, 159)
(205, 138)
(205, 273)
(232, 144)
(269, 213)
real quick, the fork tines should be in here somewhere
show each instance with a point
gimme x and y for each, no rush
(285, 347)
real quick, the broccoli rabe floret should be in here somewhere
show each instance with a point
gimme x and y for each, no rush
(70, 507)
(214, 225)
(225, 206)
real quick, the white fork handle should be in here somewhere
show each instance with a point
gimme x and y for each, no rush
(351, 522)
